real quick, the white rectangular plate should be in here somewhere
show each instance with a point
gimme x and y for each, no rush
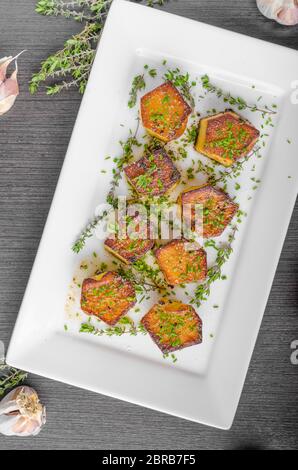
(206, 382)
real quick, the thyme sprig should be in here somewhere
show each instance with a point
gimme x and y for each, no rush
(10, 378)
(214, 273)
(237, 101)
(138, 84)
(73, 62)
(152, 273)
(128, 147)
(234, 171)
(223, 175)
(126, 156)
(79, 10)
(88, 232)
(125, 326)
(140, 281)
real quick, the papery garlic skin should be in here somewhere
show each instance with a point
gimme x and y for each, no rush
(8, 93)
(283, 11)
(21, 413)
(9, 88)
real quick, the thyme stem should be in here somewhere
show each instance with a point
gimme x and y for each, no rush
(239, 102)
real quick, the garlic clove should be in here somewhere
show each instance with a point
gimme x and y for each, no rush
(4, 63)
(21, 413)
(9, 88)
(288, 16)
(283, 11)
(6, 104)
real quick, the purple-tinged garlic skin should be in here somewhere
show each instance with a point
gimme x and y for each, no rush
(9, 88)
(284, 12)
(21, 413)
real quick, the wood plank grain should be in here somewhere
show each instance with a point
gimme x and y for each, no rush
(33, 141)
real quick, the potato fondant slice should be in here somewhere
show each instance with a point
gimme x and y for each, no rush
(218, 208)
(154, 174)
(128, 250)
(226, 137)
(182, 262)
(165, 112)
(107, 296)
(173, 325)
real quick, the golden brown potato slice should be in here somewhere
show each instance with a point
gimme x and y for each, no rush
(218, 208)
(165, 112)
(131, 240)
(153, 174)
(179, 264)
(128, 250)
(173, 325)
(107, 296)
(226, 137)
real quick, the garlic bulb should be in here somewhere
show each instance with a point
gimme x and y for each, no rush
(283, 11)
(9, 88)
(21, 413)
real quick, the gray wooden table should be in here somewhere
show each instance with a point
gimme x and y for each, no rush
(33, 141)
